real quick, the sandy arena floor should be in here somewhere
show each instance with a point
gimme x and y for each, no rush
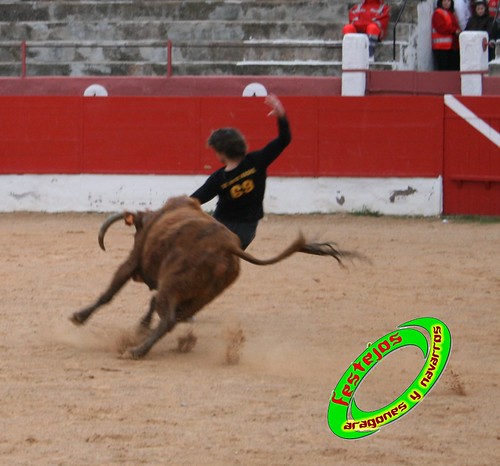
(67, 398)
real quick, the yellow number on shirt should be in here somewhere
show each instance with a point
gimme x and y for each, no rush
(244, 188)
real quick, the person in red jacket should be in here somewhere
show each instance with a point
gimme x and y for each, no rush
(493, 8)
(445, 32)
(370, 17)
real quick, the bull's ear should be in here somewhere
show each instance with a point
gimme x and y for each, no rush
(195, 202)
(129, 218)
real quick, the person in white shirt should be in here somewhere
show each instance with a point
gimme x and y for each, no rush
(462, 12)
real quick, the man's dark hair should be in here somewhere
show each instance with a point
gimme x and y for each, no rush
(228, 141)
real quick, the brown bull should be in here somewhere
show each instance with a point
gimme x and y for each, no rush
(187, 256)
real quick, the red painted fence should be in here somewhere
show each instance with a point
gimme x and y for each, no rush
(378, 136)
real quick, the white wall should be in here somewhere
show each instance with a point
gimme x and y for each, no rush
(107, 193)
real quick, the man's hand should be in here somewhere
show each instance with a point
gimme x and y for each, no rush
(277, 107)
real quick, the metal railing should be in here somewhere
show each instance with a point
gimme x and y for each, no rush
(168, 45)
(401, 11)
(25, 46)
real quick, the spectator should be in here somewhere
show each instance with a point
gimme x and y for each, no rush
(493, 7)
(240, 184)
(445, 32)
(463, 10)
(370, 17)
(482, 21)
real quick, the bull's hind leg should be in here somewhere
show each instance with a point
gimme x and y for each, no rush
(164, 326)
(145, 321)
(122, 275)
(166, 311)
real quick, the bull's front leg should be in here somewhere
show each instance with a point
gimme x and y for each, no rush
(122, 275)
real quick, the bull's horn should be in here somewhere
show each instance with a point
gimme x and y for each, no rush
(106, 224)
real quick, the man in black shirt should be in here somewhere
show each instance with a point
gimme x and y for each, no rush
(241, 183)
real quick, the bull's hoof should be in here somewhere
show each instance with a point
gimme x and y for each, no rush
(133, 353)
(77, 319)
(186, 343)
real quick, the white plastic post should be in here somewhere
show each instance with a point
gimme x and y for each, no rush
(473, 61)
(354, 64)
(254, 90)
(95, 90)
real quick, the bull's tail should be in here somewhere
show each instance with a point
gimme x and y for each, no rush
(300, 245)
(296, 246)
(330, 249)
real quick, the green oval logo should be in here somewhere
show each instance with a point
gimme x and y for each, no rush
(347, 420)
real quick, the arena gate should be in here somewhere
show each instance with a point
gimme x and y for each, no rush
(471, 183)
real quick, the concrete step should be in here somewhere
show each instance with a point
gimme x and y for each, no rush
(200, 68)
(114, 28)
(169, 29)
(178, 69)
(195, 10)
(179, 30)
(121, 68)
(261, 68)
(286, 50)
(255, 50)
(247, 10)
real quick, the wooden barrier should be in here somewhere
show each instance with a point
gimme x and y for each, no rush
(379, 137)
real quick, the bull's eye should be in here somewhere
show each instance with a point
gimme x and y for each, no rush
(129, 219)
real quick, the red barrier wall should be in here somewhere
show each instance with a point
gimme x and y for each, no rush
(332, 136)
(377, 136)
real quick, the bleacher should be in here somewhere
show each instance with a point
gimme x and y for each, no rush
(132, 38)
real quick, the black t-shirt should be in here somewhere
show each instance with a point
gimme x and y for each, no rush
(241, 190)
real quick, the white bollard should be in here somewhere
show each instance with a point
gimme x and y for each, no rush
(473, 61)
(354, 64)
